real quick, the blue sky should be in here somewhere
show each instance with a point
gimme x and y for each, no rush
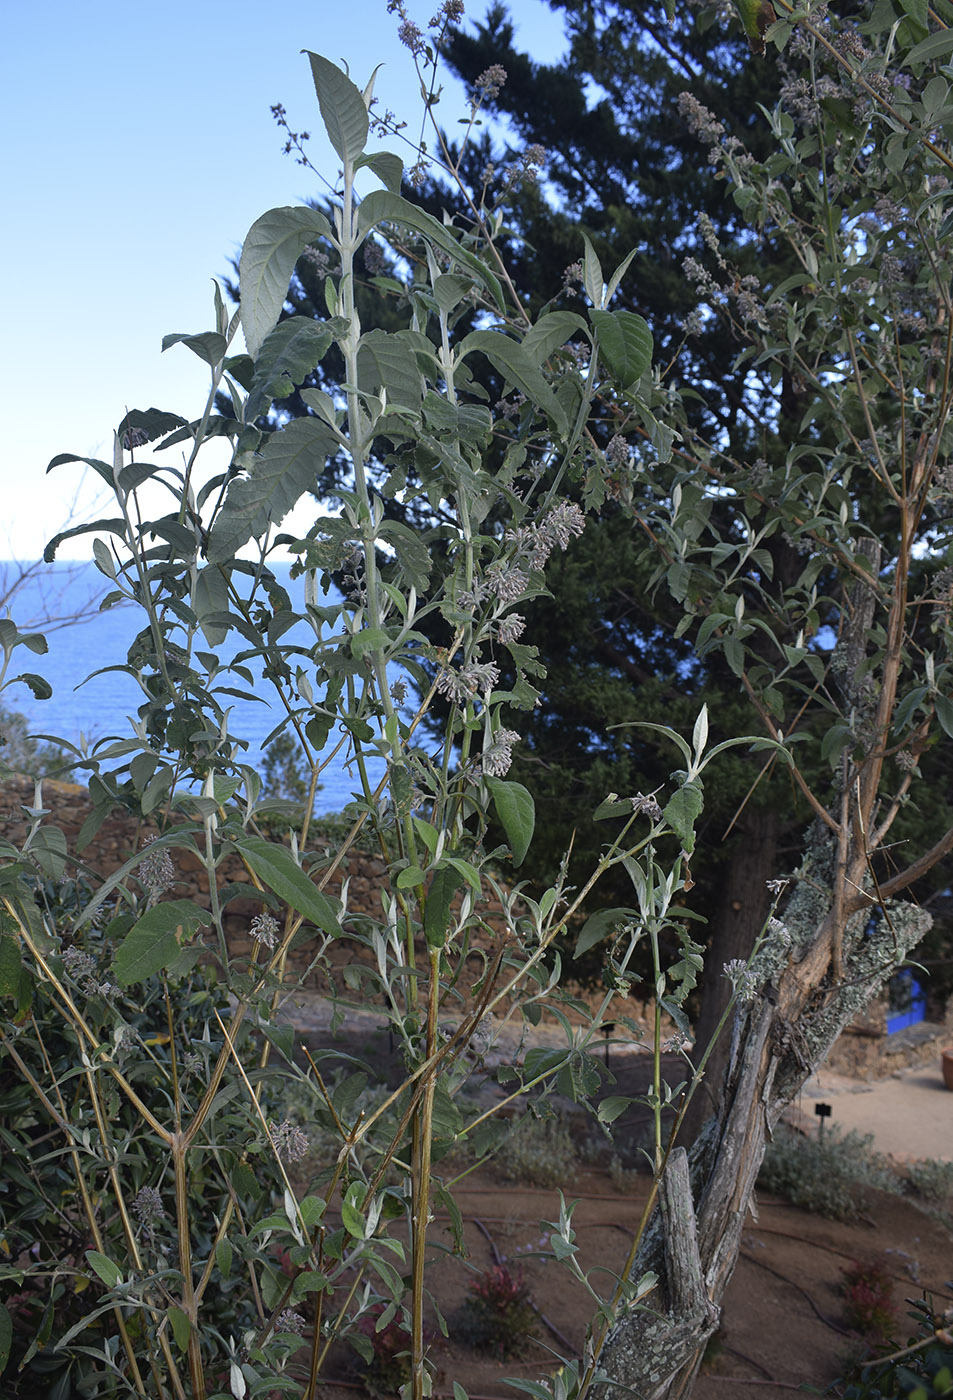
(138, 149)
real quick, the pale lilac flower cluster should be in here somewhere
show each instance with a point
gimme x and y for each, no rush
(700, 121)
(537, 542)
(475, 677)
(290, 1321)
(450, 12)
(744, 982)
(511, 628)
(490, 82)
(156, 871)
(498, 757)
(264, 930)
(290, 1143)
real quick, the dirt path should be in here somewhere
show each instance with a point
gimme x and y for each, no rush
(783, 1321)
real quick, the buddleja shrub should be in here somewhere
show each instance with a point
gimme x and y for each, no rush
(202, 1255)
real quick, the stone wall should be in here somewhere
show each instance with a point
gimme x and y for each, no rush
(863, 1051)
(121, 835)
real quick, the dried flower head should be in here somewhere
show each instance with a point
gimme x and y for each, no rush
(648, 805)
(507, 583)
(475, 677)
(290, 1143)
(147, 1208)
(511, 628)
(156, 871)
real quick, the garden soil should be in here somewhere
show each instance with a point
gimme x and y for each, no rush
(783, 1317)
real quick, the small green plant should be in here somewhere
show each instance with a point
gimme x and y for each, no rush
(384, 1345)
(868, 1302)
(498, 1313)
(539, 1152)
(931, 1179)
(826, 1176)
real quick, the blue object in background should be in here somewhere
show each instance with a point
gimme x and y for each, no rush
(908, 1003)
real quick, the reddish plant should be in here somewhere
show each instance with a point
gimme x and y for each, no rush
(868, 1301)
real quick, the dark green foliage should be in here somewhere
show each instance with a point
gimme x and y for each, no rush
(923, 1370)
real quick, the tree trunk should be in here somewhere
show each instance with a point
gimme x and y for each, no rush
(743, 905)
(654, 1351)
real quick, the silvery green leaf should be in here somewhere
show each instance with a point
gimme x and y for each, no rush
(277, 477)
(115, 527)
(273, 245)
(210, 596)
(209, 346)
(700, 732)
(517, 813)
(388, 167)
(592, 278)
(618, 275)
(153, 943)
(288, 355)
(550, 332)
(509, 357)
(381, 206)
(342, 107)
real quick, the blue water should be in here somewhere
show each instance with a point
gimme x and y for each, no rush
(100, 707)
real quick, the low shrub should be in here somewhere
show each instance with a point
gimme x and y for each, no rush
(825, 1175)
(538, 1152)
(930, 1179)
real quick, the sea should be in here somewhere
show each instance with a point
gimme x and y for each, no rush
(98, 706)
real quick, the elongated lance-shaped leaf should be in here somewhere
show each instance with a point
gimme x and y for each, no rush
(114, 527)
(287, 466)
(381, 206)
(517, 813)
(273, 245)
(208, 345)
(275, 867)
(343, 110)
(509, 357)
(550, 332)
(142, 425)
(288, 355)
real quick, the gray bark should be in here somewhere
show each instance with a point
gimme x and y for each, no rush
(653, 1350)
